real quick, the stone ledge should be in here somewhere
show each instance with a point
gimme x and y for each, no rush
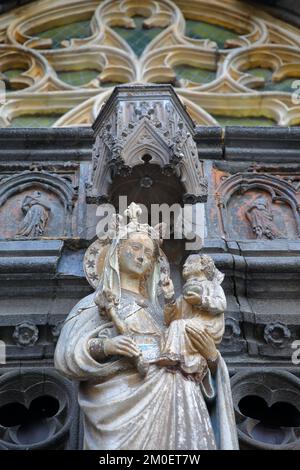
(62, 144)
(266, 144)
(18, 258)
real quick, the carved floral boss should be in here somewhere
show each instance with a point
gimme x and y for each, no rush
(26, 334)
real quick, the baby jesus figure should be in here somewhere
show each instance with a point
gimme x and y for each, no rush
(201, 306)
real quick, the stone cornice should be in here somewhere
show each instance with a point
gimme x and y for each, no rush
(53, 144)
(261, 144)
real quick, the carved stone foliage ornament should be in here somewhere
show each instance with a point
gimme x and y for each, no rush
(121, 331)
(145, 121)
(233, 340)
(26, 334)
(277, 334)
(55, 331)
(232, 329)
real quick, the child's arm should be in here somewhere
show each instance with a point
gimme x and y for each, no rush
(214, 301)
(107, 304)
(171, 308)
(172, 311)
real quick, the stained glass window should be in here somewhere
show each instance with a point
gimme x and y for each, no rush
(229, 65)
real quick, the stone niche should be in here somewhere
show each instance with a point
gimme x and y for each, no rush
(257, 206)
(13, 213)
(36, 203)
(243, 204)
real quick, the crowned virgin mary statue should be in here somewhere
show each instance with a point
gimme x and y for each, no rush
(111, 344)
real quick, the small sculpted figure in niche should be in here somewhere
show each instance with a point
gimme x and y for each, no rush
(261, 218)
(36, 216)
(201, 306)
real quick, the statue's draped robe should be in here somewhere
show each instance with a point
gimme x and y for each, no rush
(263, 219)
(34, 221)
(124, 411)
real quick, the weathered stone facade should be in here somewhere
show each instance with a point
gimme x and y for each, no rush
(52, 180)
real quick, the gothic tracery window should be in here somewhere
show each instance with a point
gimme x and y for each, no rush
(230, 64)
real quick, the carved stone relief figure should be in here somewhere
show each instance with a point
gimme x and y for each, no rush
(108, 334)
(257, 205)
(36, 215)
(261, 218)
(38, 200)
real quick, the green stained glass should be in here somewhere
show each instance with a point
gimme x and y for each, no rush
(194, 74)
(266, 74)
(110, 84)
(284, 85)
(203, 30)
(139, 37)
(78, 77)
(13, 73)
(35, 120)
(269, 85)
(245, 121)
(10, 75)
(79, 30)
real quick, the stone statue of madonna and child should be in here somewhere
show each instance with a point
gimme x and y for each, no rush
(150, 375)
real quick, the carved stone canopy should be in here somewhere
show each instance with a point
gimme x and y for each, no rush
(145, 124)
